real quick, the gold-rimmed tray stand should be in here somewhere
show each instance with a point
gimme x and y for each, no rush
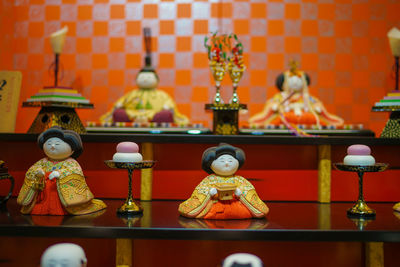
(360, 208)
(130, 207)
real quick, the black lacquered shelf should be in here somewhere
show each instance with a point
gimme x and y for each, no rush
(214, 139)
(287, 221)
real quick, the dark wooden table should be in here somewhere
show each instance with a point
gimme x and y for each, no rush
(287, 221)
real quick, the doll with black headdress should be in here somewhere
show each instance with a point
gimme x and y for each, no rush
(223, 194)
(147, 103)
(55, 185)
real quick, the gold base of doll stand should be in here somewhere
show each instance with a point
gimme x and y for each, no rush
(392, 127)
(61, 114)
(225, 117)
(130, 208)
(360, 208)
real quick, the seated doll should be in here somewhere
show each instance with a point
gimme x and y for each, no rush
(293, 105)
(55, 185)
(222, 194)
(146, 104)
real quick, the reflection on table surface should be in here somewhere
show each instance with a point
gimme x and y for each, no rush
(161, 217)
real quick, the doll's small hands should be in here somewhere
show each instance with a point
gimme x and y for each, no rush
(238, 192)
(54, 174)
(39, 173)
(213, 191)
(38, 183)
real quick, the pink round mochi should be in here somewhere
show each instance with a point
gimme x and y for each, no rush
(360, 150)
(127, 147)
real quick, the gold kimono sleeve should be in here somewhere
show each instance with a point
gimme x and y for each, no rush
(73, 190)
(256, 206)
(76, 196)
(197, 204)
(251, 200)
(27, 194)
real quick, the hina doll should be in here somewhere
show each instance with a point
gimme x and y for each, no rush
(55, 185)
(293, 104)
(145, 104)
(223, 194)
(64, 254)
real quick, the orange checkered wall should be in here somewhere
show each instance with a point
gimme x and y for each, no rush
(6, 35)
(342, 44)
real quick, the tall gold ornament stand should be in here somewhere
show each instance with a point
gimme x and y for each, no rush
(61, 114)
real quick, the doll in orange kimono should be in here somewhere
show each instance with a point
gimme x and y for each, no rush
(222, 194)
(294, 105)
(55, 185)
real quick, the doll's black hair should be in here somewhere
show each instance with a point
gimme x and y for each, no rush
(68, 136)
(281, 79)
(212, 153)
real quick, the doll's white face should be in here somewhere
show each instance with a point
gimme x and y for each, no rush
(225, 165)
(147, 80)
(295, 83)
(63, 255)
(57, 149)
(244, 259)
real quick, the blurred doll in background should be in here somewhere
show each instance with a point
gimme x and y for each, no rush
(145, 104)
(293, 104)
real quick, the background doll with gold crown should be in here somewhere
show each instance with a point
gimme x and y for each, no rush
(223, 194)
(294, 105)
(55, 185)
